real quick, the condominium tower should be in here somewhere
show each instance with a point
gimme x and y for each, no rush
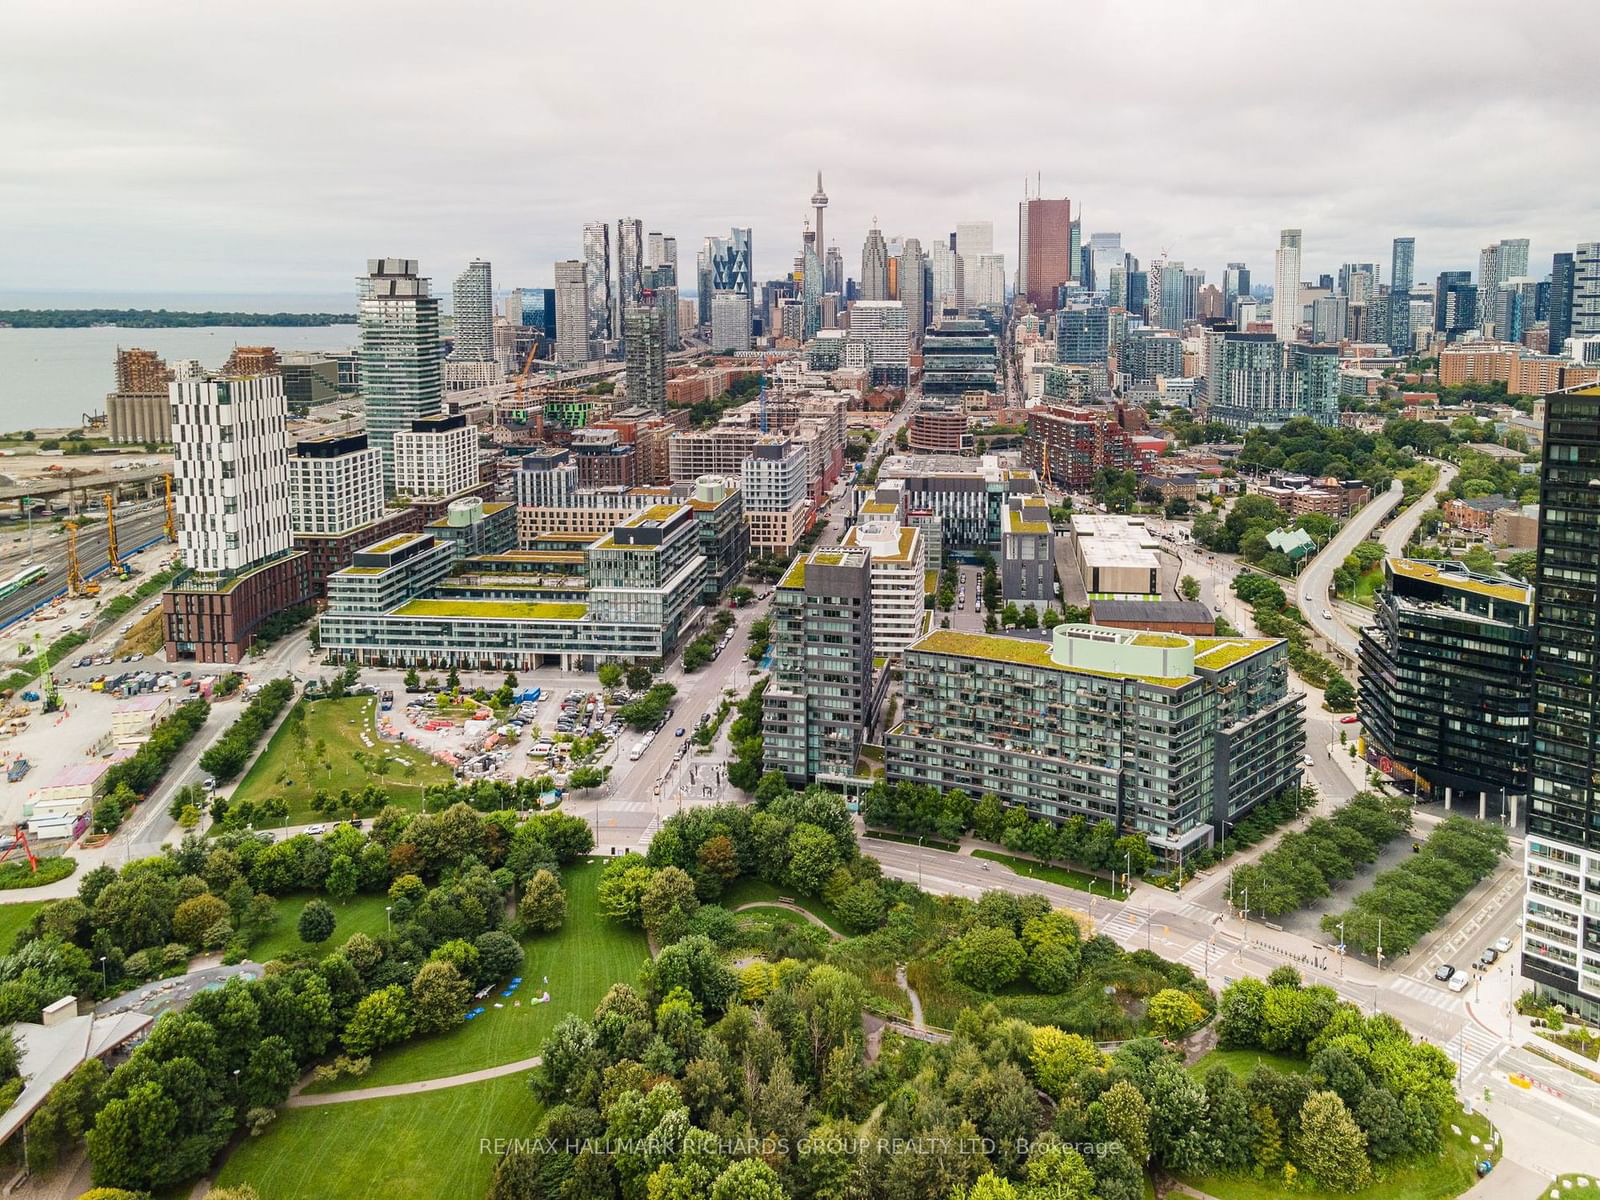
(1286, 287)
(401, 373)
(473, 302)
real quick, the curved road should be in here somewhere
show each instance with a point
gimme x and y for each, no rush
(1316, 580)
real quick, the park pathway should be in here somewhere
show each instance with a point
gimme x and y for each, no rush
(911, 994)
(406, 1089)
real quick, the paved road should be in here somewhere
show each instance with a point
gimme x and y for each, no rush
(1315, 588)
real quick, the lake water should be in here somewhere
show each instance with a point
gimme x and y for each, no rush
(50, 377)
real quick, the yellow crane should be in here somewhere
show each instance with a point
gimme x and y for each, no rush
(113, 560)
(172, 524)
(76, 584)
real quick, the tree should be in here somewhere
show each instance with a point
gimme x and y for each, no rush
(987, 958)
(1178, 1138)
(316, 922)
(195, 916)
(133, 1138)
(1030, 618)
(1189, 586)
(439, 997)
(544, 903)
(1241, 1013)
(380, 1019)
(1173, 1013)
(1057, 1057)
(413, 682)
(342, 878)
(499, 956)
(1126, 1118)
(610, 675)
(667, 903)
(748, 1179)
(1331, 1145)
(813, 856)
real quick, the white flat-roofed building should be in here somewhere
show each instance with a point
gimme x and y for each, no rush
(1116, 556)
(438, 456)
(335, 484)
(899, 580)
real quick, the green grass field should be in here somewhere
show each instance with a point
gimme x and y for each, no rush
(284, 769)
(1064, 876)
(772, 914)
(582, 960)
(13, 917)
(1566, 1187)
(359, 914)
(748, 890)
(424, 1144)
(1242, 1062)
(1439, 1178)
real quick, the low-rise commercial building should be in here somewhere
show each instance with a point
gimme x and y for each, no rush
(1166, 736)
(1158, 616)
(1446, 683)
(1116, 556)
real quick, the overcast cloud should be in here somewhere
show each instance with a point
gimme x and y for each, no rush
(213, 146)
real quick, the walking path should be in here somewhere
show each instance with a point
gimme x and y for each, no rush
(911, 994)
(409, 1089)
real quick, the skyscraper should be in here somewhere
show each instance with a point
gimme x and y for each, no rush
(1561, 936)
(913, 293)
(1400, 294)
(1235, 283)
(819, 201)
(833, 272)
(1082, 335)
(630, 268)
(597, 260)
(574, 316)
(644, 334)
(875, 266)
(1454, 303)
(1563, 280)
(724, 266)
(1506, 259)
(401, 377)
(810, 293)
(1585, 291)
(1044, 249)
(1286, 286)
(730, 322)
(473, 302)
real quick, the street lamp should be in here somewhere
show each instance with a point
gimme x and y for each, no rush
(388, 925)
(1341, 949)
(103, 984)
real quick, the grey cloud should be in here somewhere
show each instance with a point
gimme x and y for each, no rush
(181, 146)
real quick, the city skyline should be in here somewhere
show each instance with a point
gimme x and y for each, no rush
(158, 194)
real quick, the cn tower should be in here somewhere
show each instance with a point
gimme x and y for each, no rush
(819, 201)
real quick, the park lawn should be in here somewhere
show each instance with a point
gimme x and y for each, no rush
(339, 724)
(582, 960)
(1062, 875)
(359, 914)
(1242, 1062)
(1570, 1189)
(421, 1144)
(1449, 1174)
(1366, 587)
(749, 890)
(14, 918)
(774, 915)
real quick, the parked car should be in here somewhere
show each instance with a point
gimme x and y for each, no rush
(1444, 972)
(1487, 958)
(1503, 945)
(678, 732)
(1350, 720)
(1459, 982)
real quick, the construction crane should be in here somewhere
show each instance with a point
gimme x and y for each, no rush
(172, 524)
(113, 561)
(75, 584)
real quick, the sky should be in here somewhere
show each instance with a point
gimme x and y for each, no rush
(223, 148)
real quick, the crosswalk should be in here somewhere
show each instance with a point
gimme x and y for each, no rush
(1122, 925)
(1417, 990)
(1471, 1047)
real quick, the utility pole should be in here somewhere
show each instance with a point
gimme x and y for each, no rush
(1341, 949)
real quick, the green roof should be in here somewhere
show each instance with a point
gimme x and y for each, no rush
(510, 610)
(993, 647)
(1425, 572)
(390, 544)
(1215, 653)
(795, 576)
